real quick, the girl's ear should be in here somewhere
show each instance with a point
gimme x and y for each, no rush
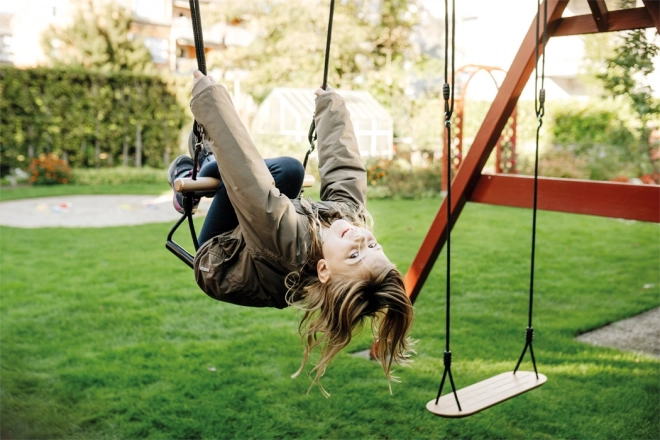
(323, 271)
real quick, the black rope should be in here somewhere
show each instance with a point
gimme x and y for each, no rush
(448, 95)
(198, 135)
(327, 45)
(196, 19)
(197, 34)
(539, 107)
(311, 135)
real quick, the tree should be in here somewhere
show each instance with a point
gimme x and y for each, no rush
(626, 79)
(371, 49)
(289, 47)
(98, 39)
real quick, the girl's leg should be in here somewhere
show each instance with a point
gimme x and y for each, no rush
(288, 174)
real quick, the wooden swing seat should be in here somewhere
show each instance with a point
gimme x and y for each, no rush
(211, 183)
(485, 394)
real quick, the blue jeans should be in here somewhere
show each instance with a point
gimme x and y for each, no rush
(288, 174)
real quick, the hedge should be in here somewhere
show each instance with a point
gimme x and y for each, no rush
(88, 118)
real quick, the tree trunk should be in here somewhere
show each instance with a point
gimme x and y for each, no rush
(97, 147)
(31, 146)
(83, 152)
(138, 145)
(125, 150)
(166, 151)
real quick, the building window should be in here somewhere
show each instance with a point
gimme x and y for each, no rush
(5, 49)
(158, 47)
(154, 10)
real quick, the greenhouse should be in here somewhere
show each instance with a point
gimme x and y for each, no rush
(287, 113)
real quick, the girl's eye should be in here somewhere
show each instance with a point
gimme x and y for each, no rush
(354, 255)
(373, 245)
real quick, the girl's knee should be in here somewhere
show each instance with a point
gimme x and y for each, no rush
(292, 167)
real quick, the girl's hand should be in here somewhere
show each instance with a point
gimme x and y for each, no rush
(197, 77)
(320, 91)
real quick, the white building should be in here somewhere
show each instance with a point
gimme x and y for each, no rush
(164, 25)
(287, 114)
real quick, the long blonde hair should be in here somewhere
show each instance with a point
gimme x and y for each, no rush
(333, 312)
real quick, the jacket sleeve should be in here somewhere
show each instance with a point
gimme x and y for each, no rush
(267, 218)
(343, 177)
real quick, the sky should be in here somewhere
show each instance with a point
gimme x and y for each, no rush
(8, 6)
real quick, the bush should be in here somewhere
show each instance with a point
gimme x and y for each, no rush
(47, 169)
(557, 162)
(398, 179)
(593, 138)
(119, 175)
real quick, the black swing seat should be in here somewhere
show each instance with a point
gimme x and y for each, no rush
(486, 393)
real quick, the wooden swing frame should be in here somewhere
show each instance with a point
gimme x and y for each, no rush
(620, 200)
(609, 199)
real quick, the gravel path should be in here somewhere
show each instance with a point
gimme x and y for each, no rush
(91, 211)
(639, 333)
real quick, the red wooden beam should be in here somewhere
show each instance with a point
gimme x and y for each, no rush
(468, 175)
(599, 12)
(653, 7)
(621, 20)
(608, 199)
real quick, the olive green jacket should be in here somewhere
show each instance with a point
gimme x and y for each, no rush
(247, 266)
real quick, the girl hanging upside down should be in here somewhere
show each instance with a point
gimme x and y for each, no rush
(264, 246)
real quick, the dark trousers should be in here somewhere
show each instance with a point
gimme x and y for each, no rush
(288, 174)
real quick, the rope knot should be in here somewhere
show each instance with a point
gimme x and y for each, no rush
(447, 359)
(529, 334)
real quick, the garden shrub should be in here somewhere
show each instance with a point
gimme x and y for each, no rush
(557, 162)
(47, 169)
(588, 137)
(391, 178)
(69, 112)
(119, 175)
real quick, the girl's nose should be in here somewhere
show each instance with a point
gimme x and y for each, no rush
(359, 236)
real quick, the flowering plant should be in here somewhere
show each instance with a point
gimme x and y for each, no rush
(48, 169)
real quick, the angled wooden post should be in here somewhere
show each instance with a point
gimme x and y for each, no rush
(468, 175)
(599, 12)
(653, 6)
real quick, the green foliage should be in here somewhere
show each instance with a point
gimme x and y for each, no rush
(628, 69)
(581, 127)
(559, 162)
(84, 116)
(594, 137)
(398, 179)
(371, 50)
(626, 79)
(118, 176)
(48, 170)
(289, 49)
(115, 340)
(99, 39)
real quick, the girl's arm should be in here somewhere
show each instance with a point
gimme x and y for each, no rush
(267, 217)
(343, 177)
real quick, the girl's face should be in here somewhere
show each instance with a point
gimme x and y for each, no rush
(349, 251)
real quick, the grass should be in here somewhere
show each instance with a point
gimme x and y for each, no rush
(104, 334)
(8, 193)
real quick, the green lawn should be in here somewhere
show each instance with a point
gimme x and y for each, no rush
(8, 193)
(104, 334)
